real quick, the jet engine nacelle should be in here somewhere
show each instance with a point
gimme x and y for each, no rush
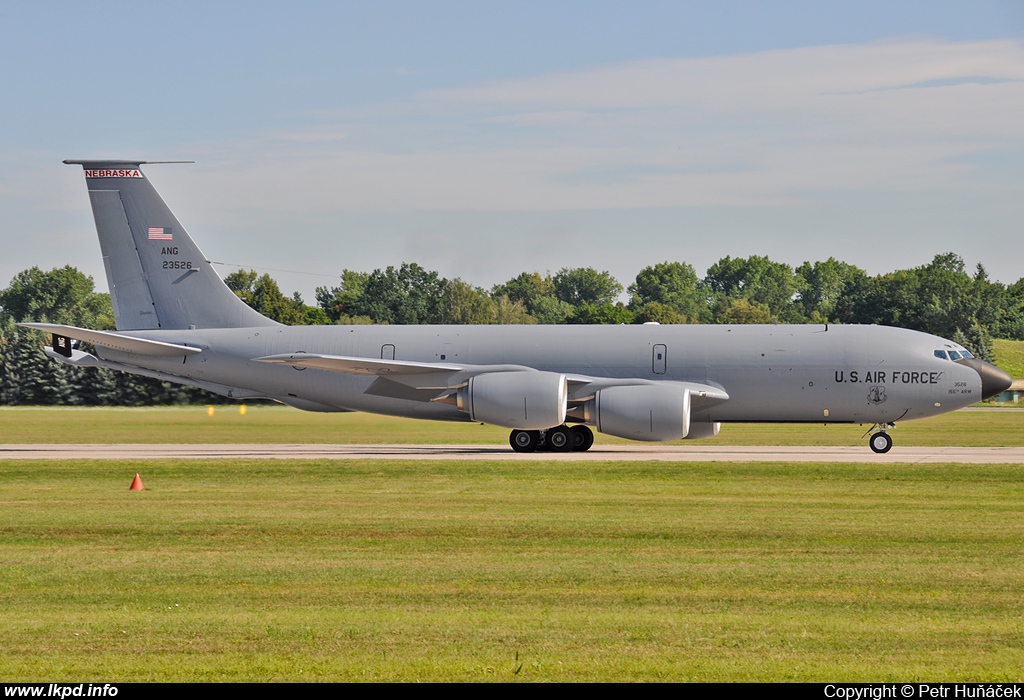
(522, 400)
(702, 430)
(650, 412)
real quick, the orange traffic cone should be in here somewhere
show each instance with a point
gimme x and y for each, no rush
(136, 484)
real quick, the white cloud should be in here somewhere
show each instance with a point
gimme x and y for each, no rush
(783, 79)
(832, 150)
(751, 129)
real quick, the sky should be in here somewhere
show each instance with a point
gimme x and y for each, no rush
(485, 139)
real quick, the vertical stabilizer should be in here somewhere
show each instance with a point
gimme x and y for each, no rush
(157, 275)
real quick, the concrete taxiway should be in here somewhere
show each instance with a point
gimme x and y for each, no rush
(616, 453)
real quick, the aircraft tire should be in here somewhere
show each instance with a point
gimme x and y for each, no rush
(880, 443)
(560, 439)
(584, 438)
(524, 440)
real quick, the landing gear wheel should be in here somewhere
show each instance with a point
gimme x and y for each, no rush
(524, 440)
(560, 439)
(583, 438)
(880, 443)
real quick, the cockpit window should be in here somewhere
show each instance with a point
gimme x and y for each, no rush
(954, 354)
(941, 354)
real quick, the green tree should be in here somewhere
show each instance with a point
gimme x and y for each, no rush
(315, 316)
(511, 312)
(536, 293)
(1000, 308)
(823, 284)
(656, 312)
(407, 295)
(585, 285)
(977, 340)
(242, 283)
(939, 298)
(950, 297)
(760, 281)
(463, 303)
(607, 314)
(741, 310)
(525, 288)
(1010, 323)
(674, 285)
(338, 302)
(28, 376)
(262, 293)
(62, 295)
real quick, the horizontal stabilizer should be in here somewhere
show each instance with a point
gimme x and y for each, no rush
(116, 341)
(84, 359)
(76, 358)
(358, 365)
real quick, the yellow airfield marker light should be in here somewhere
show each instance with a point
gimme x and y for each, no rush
(241, 410)
(209, 410)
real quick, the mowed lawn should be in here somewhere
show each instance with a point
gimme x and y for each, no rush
(1009, 355)
(252, 570)
(263, 423)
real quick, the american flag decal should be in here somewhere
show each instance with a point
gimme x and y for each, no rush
(160, 233)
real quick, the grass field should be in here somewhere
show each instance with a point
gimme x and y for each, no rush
(279, 424)
(1009, 355)
(356, 570)
(249, 570)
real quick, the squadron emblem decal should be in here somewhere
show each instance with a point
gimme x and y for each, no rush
(876, 395)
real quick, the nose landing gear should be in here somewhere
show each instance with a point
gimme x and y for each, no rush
(880, 442)
(562, 438)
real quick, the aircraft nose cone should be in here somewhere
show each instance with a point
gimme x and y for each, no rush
(994, 381)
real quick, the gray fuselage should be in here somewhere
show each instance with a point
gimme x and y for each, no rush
(772, 373)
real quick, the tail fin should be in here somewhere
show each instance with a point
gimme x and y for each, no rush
(158, 277)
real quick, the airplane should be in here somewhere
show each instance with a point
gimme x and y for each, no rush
(552, 386)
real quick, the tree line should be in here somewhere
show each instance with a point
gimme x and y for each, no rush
(941, 297)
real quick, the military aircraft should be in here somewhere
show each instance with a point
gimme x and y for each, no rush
(177, 321)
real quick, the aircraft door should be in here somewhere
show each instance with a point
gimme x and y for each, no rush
(387, 352)
(660, 359)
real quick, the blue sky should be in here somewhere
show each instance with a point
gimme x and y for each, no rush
(485, 139)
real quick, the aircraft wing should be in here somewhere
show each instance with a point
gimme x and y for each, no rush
(441, 376)
(114, 341)
(436, 376)
(359, 365)
(397, 369)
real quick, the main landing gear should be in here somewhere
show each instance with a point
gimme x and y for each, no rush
(880, 442)
(578, 438)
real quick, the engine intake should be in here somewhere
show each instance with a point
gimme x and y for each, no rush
(522, 400)
(652, 412)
